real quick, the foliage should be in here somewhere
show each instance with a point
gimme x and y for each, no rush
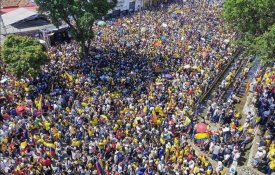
(250, 16)
(79, 15)
(265, 45)
(254, 20)
(23, 55)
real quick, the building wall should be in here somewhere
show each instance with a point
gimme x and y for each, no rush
(124, 5)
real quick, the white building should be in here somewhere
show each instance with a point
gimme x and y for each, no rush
(129, 5)
(125, 6)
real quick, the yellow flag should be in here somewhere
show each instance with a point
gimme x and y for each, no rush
(24, 144)
(39, 104)
(68, 76)
(100, 162)
(49, 145)
(159, 110)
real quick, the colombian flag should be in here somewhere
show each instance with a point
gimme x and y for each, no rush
(200, 141)
(99, 169)
(51, 152)
(201, 138)
(50, 148)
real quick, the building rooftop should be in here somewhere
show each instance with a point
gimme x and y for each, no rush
(16, 3)
(11, 5)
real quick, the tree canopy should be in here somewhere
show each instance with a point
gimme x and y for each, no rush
(79, 15)
(265, 45)
(23, 55)
(254, 20)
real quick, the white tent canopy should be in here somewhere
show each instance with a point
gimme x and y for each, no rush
(18, 15)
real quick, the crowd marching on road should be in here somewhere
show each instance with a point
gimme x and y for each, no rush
(130, 107)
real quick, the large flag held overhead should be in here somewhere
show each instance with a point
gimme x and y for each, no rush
(200, 138)
(50, 148)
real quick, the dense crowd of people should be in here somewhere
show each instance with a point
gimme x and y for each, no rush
(222, 111)
(264, 158)
(127, 109)
(232, 133)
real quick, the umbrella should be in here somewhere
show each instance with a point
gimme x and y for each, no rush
(179, 11)
(101, 23)
(169, 76)
(187, 66)
(98, 56)
(20, 109)
(46, 162)
(6, 116)
(42, 41)
(126, 140)
(21, 172)
(159, 83)
(99, 33)
(164, 25)
(4, 80)
(143, 29)
(226, 40)
(104, 117)
(204, 54)
(201, 127)
(120, 30)
(162, 38)
(157, 44)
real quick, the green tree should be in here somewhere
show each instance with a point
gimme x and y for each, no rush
(264, 45)
(79, 15)
(23, 55)
(253, 20)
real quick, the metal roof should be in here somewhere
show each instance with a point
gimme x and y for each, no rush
(17, 15)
